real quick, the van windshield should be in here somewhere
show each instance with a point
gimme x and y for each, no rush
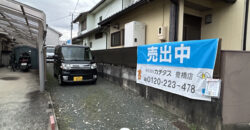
(50, 50)
(76, 53)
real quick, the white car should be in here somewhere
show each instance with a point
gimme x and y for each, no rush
(50, 53)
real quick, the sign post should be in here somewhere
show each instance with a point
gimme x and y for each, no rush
(178, 67)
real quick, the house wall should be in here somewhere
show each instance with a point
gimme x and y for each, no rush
(90, 22)
(227, 24)
(93, 19)
(154, 15)
(110, 9)
(235, 77)
(1, 45)
(98, 44)
(126, 3)
(52, 37)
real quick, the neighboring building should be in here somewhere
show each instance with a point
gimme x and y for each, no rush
(179, 20)
(89, 33)
(62, 42)
(52, 37)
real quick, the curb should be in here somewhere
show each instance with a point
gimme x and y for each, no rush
(52, 122)
(52, 119)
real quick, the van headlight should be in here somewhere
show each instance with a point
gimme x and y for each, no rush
(65, 66)
(93, 66)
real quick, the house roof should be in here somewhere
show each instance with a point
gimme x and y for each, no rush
(79, 16)
(122, 12)
(97, 5)
(60, 34)
(91, 10)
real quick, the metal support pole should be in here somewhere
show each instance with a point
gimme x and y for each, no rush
(41, 67)
(41, 58)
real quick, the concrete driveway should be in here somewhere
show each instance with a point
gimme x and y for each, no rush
(22, 106)
(105, 106)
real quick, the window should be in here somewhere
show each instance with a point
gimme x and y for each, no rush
(192, 27)
(116, 39)
(76, 53)
(90, 45)
(83, 25)
(100, 18)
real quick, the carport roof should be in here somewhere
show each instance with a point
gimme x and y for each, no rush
(21, 22)
(27, 25)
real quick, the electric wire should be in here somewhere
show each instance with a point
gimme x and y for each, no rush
(59, 18)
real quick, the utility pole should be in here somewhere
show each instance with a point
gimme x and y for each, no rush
(71, 29)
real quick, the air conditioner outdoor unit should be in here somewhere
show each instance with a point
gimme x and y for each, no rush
(134, 34)
(162, 32)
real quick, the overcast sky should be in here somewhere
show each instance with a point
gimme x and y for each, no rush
(58, 13)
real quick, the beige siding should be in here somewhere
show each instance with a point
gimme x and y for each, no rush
(248, 31)
(227, 23)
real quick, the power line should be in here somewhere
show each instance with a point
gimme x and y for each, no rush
(71, 25)
(76, 6)
(60, 18)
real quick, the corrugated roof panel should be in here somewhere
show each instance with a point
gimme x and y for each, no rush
(14, 17)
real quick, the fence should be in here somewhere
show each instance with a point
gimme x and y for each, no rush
(229, 112)
(119, 66)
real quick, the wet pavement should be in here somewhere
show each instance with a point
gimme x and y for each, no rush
(105, 106)
(22, 106)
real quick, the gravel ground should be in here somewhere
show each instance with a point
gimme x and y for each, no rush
(105, 106)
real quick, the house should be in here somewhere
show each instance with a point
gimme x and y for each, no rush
(156, 21)
(89, 32)
(177, 20)
(52, 37)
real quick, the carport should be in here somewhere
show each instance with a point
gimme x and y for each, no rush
(23, 25)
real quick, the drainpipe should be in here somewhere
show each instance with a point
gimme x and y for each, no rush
(106, 40)
(245, 26)
(106, 37)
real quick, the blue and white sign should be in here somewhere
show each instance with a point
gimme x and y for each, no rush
(178, 67)
(68, 42)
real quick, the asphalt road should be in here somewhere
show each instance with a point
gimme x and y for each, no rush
(105, 106)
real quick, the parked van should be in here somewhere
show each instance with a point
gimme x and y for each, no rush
(74, 64)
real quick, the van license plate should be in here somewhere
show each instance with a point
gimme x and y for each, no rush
(77, 78)
(23, 63)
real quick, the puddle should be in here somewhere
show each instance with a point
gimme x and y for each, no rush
(9, 78)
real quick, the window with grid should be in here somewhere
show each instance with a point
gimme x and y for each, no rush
(116, 39)
(83, 25)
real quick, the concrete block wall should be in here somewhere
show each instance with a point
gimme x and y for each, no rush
(201, 114)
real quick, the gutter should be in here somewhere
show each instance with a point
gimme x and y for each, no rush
(230, 1)
(245, 26)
